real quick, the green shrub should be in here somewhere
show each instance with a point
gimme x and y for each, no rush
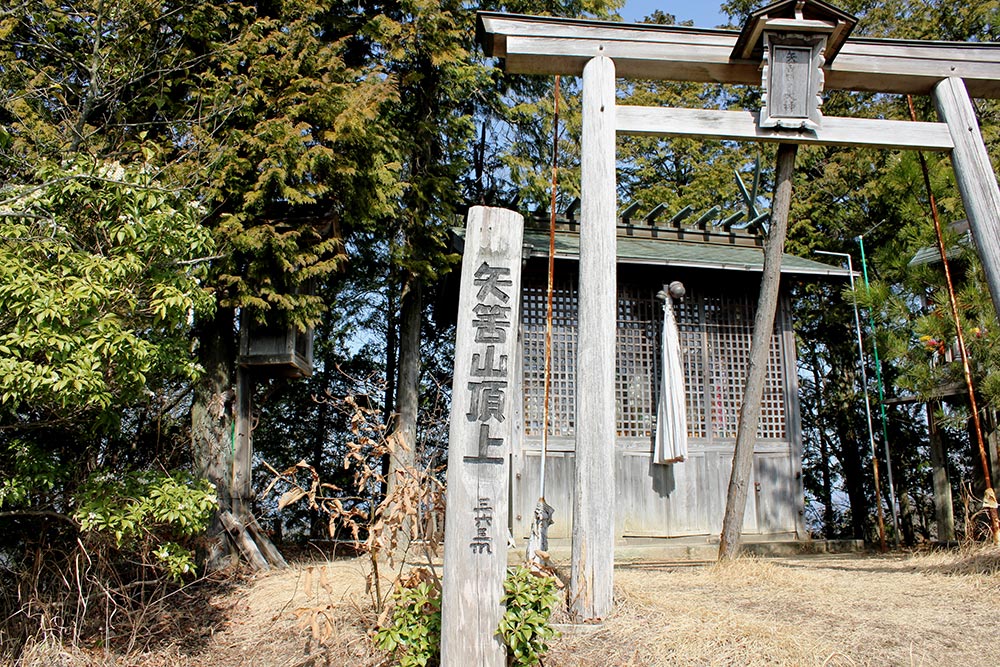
(413, 635)
(529, 598)
(149, 514)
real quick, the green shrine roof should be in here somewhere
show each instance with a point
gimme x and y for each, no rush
(674, 252)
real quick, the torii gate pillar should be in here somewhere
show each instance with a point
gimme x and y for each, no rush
(592, 575)
(974, 175)
(601, 50)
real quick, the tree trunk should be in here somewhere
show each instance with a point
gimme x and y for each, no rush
(850, 461)
(391, 351)
(391, 357)
(222, 449)
(906, 511)
(318, 527)
(407, 393)
(213, 415)
(824, 449)
(767, 307)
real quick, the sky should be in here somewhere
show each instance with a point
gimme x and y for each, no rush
(704, 13)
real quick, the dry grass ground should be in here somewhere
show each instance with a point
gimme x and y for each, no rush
(931, 609)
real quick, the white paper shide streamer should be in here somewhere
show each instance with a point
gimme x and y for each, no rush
(671, 413)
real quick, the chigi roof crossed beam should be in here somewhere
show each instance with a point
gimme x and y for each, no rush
(685, 239)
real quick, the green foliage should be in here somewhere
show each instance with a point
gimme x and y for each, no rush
(31, 472)
(144, 513)
(413, 635)
(99, 274)
(529, 599)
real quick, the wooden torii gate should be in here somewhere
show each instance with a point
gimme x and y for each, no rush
(600, 52)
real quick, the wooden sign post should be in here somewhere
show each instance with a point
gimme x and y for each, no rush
(482, 418)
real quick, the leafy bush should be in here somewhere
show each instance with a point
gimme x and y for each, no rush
(149, 514)
(413, 635)
(529, 598)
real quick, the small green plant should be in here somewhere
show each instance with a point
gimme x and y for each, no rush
(529, 598)
(148, 514)
(413, 635)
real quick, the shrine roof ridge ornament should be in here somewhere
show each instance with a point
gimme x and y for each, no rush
(548, 45)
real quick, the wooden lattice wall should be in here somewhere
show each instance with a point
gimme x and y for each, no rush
(715, 331)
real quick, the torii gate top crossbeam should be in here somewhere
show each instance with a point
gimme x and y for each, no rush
(546, 45)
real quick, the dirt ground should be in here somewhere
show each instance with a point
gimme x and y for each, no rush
(912, 609)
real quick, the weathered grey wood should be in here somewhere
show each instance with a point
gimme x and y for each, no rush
(943, 509)
(976, 181)
(675, 501)
(545, 45)
(242, 445)
(244, 542)
(482, 419)
(591, 577)
(264, 544)
(794, 417)
(742, 126)
(767, 306)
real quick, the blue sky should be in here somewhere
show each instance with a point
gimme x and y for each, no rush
(704, 13)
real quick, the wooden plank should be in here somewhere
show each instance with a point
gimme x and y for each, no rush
(482, 419)
(591, 577)
(742, 126)
(793, 418)
(241, 468)
(245, 543)
(943, 507)
(545, 45)
(976, 181)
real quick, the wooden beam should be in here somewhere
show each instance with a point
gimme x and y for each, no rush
(482, 426)
(545, 45)
(760, 344)
(976, 181)
(742, 126)
(943, 507)
(592, 571)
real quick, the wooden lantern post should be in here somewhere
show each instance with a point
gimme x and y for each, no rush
(793, 55)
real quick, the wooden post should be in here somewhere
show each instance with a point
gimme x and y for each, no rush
(592, 572)
(943, 510)
(482, 423)
(976, 181)
(763, 327)
(242, 446)
(255, 546)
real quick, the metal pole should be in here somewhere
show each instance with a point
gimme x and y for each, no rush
(864, 387)
(881, 400)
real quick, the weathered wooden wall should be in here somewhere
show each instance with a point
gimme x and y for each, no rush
(679, 500)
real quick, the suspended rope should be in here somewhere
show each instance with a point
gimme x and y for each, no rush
(989, 495)
(539, 539)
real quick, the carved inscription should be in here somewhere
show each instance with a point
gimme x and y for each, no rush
(483, 414)
(482, 514)
(487, 397)
(790, 80)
